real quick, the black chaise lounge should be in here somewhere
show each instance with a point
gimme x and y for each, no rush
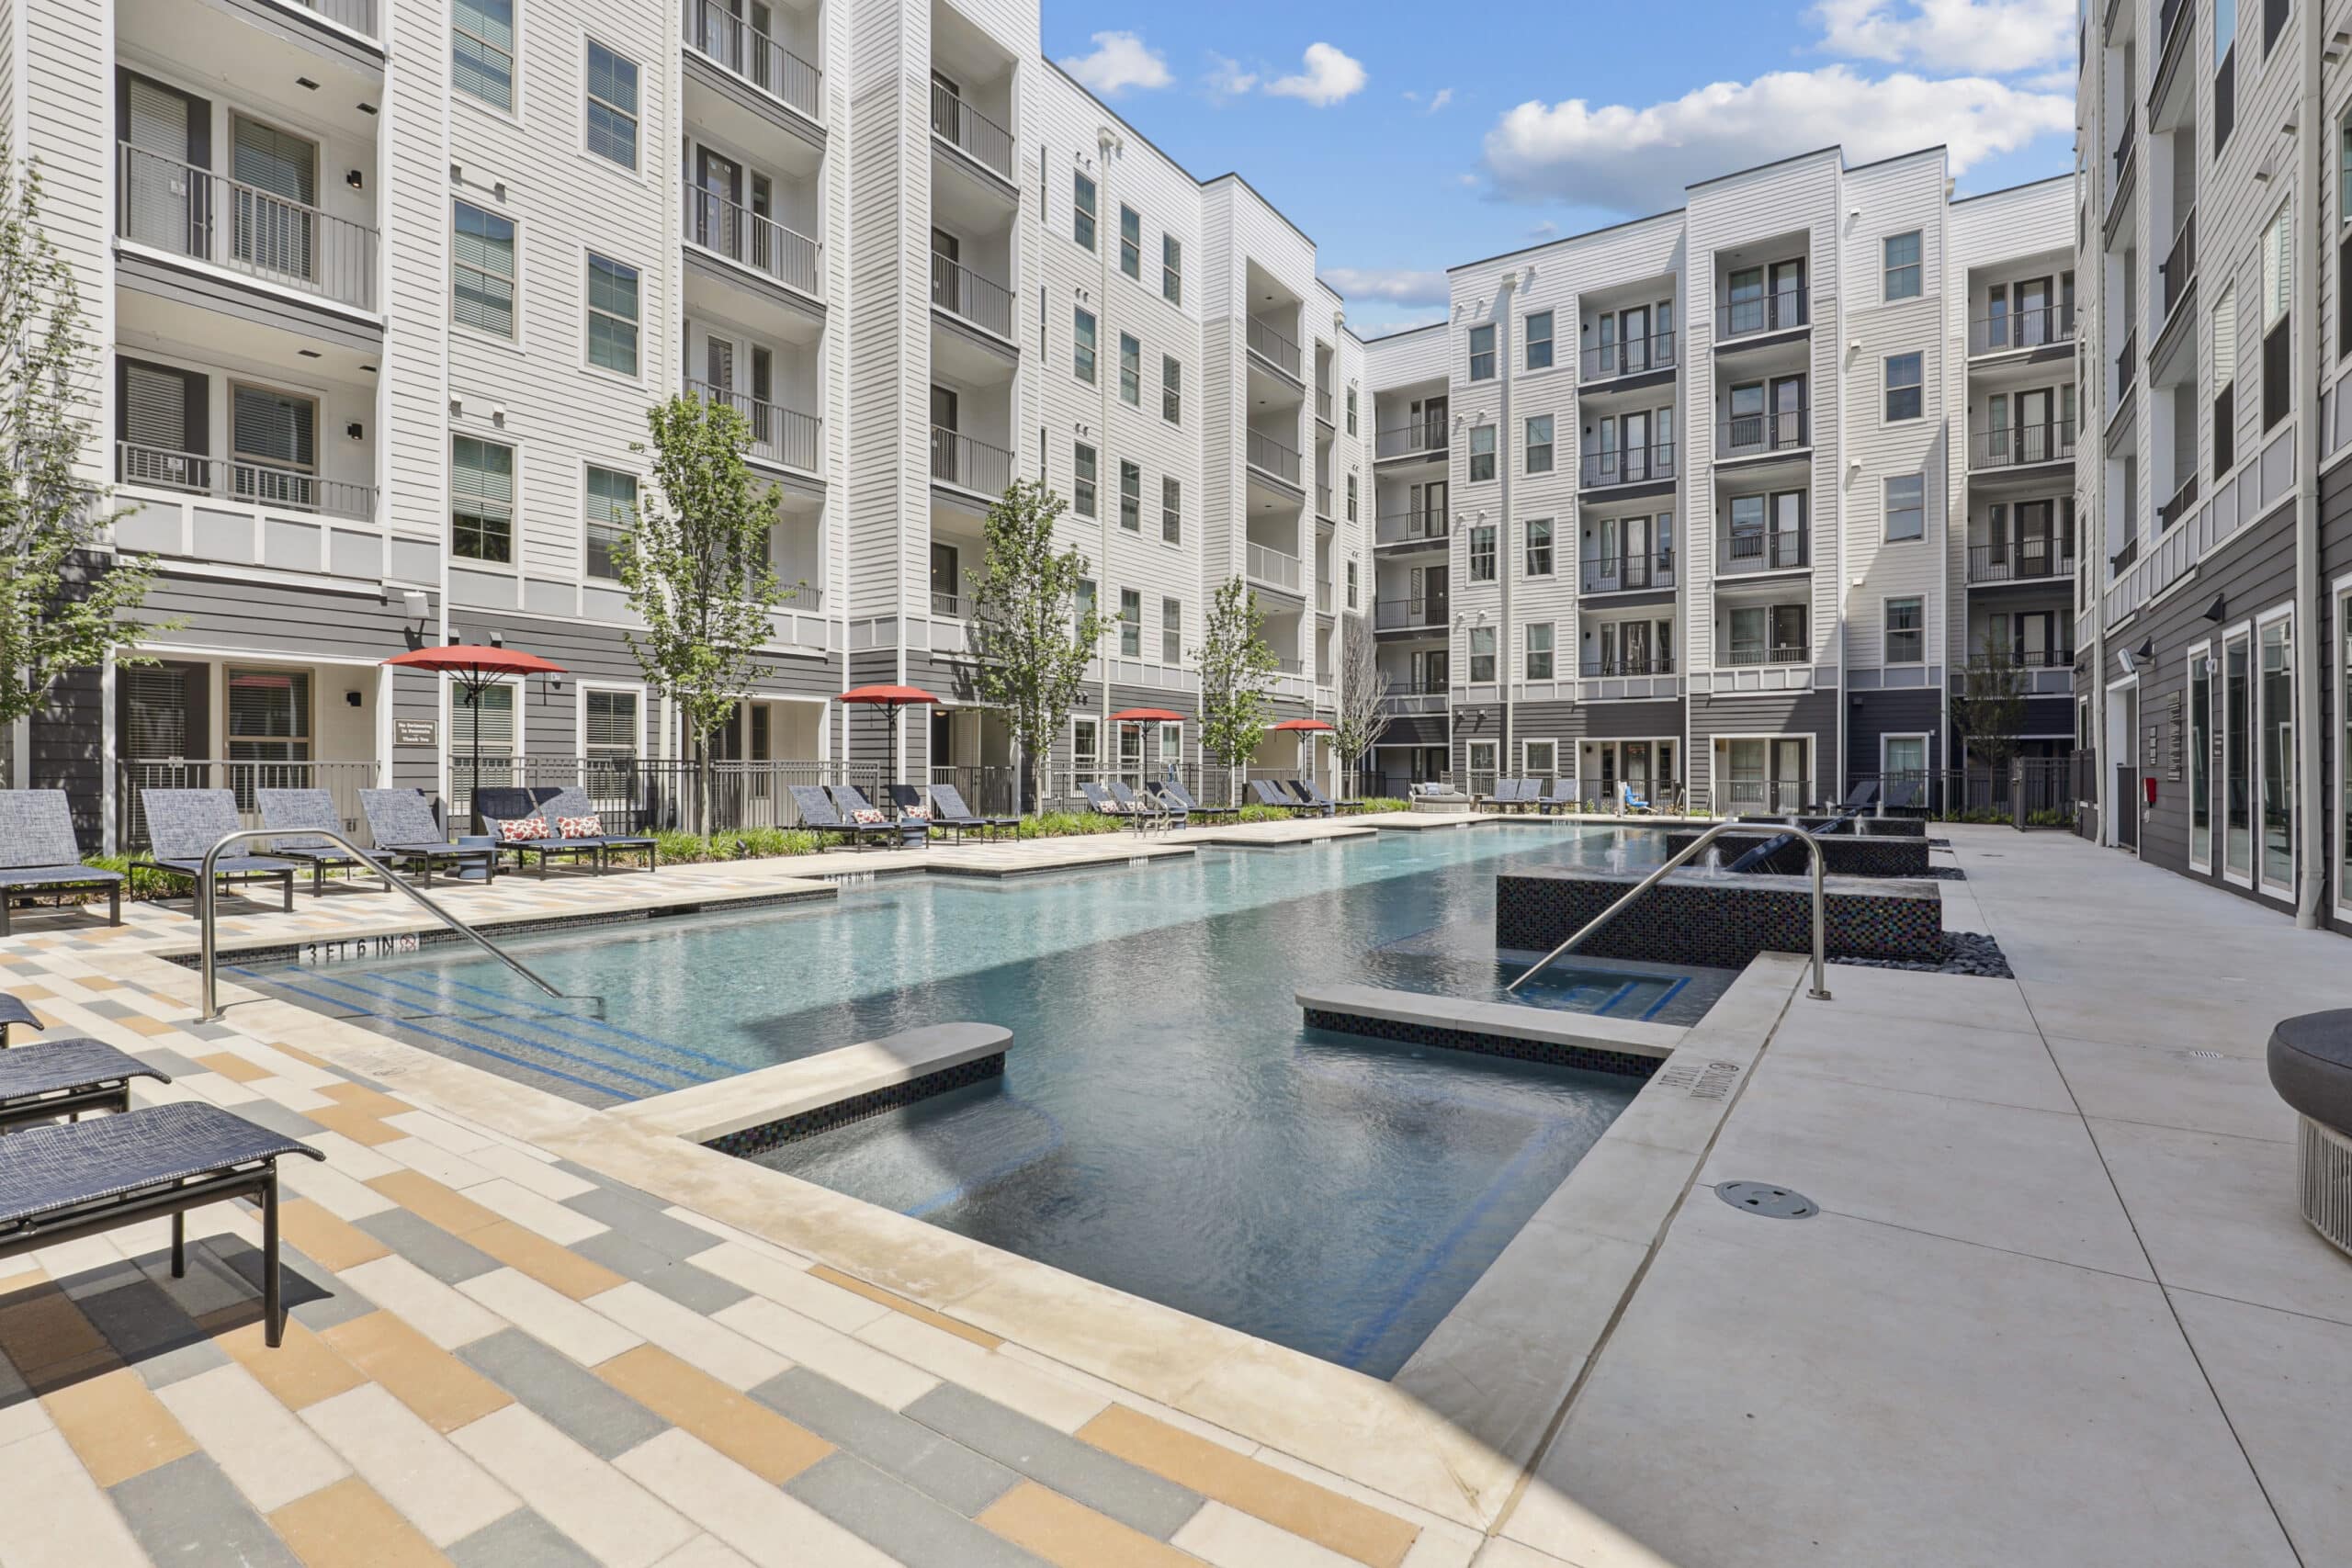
(915, 805)
(303, 813)
(504, 804)
(183, 824)
(38, 855)
(1102, 803)
(1561, 796)
(1183, 800)
(947, 806)
(1307, 792)
(401, 822)
(1146, 809)
(819, 814)
(62, 1078)
(558, 805)
(1269, 792)
(849, 802)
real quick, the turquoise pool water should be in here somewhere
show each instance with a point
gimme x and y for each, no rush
(1165, 1124)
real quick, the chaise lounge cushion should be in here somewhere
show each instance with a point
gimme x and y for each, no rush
(523, 830)
(579, 827)
(2310, 1066)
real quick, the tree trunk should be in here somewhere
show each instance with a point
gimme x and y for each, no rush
(702, 786)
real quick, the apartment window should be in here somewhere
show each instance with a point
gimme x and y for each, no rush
(482, 499)
(1482, 452)
(1171, 269)
(1482, 553)
(273, 442)
(1542, 758)
(1539, 547)
(1130, 624)
(483, 252)
(1081, 211)
(482, 50)
(1539, 653)
(1539, 445)
(1902, 267)
(1906, 633)
(1352, 594)
(1538, 340)
(611, 507)
(1131, 243)
(1172, 389)
(1082, 608)
(2278, 349)
(1083, 346)
(611, 106)
(2275, 724)
(1482, 655)
(1906, 507)
(1353, 482)
(1482, 353)
(611, 315)
(1131, 496)
(1130, 371)
(1351, 411)
(1172, 509)
(2201, 756)
(1083, 479)
(1904, 374)
(611, 732)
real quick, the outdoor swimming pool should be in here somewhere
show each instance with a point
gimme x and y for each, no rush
(1164, 1124)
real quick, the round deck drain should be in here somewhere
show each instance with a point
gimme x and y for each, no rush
(1763, 1197)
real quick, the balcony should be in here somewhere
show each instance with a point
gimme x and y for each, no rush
(1761, 435)
(1409, 699)
(2021, 560)
(1749, 315)
(2120, 185)
(954, 607)
(965, 294)
(2021, 446)
(186, 210)
(1271, 566)
(2126, 366)
(2173, 511)
(1654, 664)
(785, 438)
(1422, 613)
(2041, 672)
(1269, 455)
(1422, 437)
(1272, 347)
(752, 57)
(1783, 550)
(750, 241)
(1410, 527)
(1323, 404)
(971, 132)
(1628, 573)
(356, 16)
(1634, 356)
(1777, 653)
(1323, 597)
(2014, 330)
(1322, 501)
(2179, 266)
(1629, 465)
(231, 479)
(975, 466)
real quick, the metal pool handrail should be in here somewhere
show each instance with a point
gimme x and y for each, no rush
(1820, 991)
(210, 1008)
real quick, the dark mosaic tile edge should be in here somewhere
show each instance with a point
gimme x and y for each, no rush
(857, 1108)
(1628, 1064)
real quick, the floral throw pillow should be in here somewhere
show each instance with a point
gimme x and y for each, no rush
(868, 817)
(917, 814)
(579, 828)
(524, 829)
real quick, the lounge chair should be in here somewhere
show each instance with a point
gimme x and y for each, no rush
(61, 1183)
(819, 814)
(1306, 795)
(947, 805)
(15, 1014)
(1858, 799)
(1561, 796)
(1172, 789)
(401, 822)
(562, 805)
(38, 854)
(1633, 803)
(915, 805)
(505, 810)
(1100, 801)
(302, 813)
(182, 824)
(1502, 798)
(1146, 809)
(1513, 795)
(1172, 811)
(1269, 792)
(850, 803)
(62, 1078)
(1901, 795)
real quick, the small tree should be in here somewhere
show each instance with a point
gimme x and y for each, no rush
(694, 560)
(1237, 670)
(1032, 641)
(61, 606)
(1363, 696)
(1990, 708)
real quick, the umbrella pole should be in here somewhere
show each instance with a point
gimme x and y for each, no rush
(473, 781)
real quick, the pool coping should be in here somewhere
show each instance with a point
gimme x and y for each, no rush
(722, 1108)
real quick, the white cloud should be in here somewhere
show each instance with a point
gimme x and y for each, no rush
(1329, 76)
(1226, 79)
(1443, 96)
(1466, 180)
(1629, 159)
(1389, 285)
(1543, 231)
(1993, 36)
(1120, 61)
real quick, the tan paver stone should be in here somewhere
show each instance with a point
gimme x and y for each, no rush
(358, 1125)
(437, 1311)
(428, 1200)
(229, 1064)
(897, 1303)
(442, 1389)
(744, 1430)
(528, 1252)
(301, 1371)
(1073, 1535)
(336, 1244)
(1231, 1539)
(349, 1525)
(117, 1427)
(41, 1328)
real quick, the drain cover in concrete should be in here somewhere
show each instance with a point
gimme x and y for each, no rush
(1763, 1197)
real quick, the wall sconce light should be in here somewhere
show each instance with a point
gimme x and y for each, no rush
(353, 431)
(355, 180)
(498, 639)
(352, 699)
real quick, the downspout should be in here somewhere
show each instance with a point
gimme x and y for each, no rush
(1107, 143)
(1505, 452)
(2311, 850)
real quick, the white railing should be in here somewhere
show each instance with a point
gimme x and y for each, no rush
(983, 301)
(959, 124)
(1272, 457)
(235, 478)
(1271, 346)
(780, 435)
(750, 55)
(747, 239)
(958, 460)
(190, 211)
(1273, 568)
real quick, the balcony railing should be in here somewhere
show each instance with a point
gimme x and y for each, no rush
(1270, 456)
(1782, 550)
(2168, 16)
(959, 290)
(2021, 560)
(958, 460)
(1754, 434)
(953, 605)
(1630, 356)
(2180, 263)
(1271, 566)
(2126, 142)
(961, 126)
(1628, 573)
(2126, 365)
(1406, 699)
(2021, 328)
(190, 211)
(2019, 445)
(2173, 511)
(267, 485)
(359, 15)
(1782, 310)
(1400, 614)
(750, 55)
(1778, 653)
(1733, 796)
(1323, 601)
(1629, 465)
(1410, 527)
(1411, 439)
(780, 435)
(2032, 658)
(750, 240)
(1323, 404)
(1272, 347)
(1322, 501)
(1654, 664)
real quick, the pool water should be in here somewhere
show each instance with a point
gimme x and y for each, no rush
(1165, 1126)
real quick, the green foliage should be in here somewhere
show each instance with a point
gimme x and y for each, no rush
(1989, 708)
(1237, 673)
(1364, 693)
(1067, 824)
(59, 610)
(1256, 812)
(1378, 803)
(1032, 643)
(749, 843)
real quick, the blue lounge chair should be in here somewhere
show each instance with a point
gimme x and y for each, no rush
(183, 824)
(850, 803)
(303, 813)
(38, 854)
(62, 1078)
(1172, 789)
(500, 805)
(1634, 802)
(406, 837)
(1560, 796)
(1269, 792)
(1146, 809)
(947, 805)
(819, 815)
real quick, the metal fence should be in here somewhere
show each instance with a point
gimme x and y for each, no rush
(2032, 791)
(643, 795)
(241, 777)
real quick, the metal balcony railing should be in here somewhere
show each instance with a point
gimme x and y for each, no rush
(1653, 664)
(1754, 434)
(1628, 466)
(959, 290)
(2180, 263)
(2126, 365)
(753, 241)
(1411, 439)
(1406, 699)
(2168, 17)
(1399, 615)
(1270, 456)
(958, 460)
(2032, 658)
(1784, 310)
(784, 437)
(750, 55)
(1781, 550)
(2127, 141)
(1630, 356)
(359, 15)
(2173, 511)
(1628, 573)
(960, 125)
(1738, 656)
(2019, 445)
(954, 605)
(2021, 328)
(1271, 566)
(188, 211)
(2021, 560)
(1272, 347)
(1410, 527)
(269, 485)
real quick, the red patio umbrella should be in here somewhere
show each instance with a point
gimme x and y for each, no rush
(893, 698)
(476, 669)
(1304, 728)
(1146, 716)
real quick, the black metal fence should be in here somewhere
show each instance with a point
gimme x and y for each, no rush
(658, 794)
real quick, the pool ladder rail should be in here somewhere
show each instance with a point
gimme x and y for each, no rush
(1820, 991)
(209, 1007)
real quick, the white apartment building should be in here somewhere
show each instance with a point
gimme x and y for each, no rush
(1723, 500)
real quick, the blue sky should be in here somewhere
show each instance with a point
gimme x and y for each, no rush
(1408, 138)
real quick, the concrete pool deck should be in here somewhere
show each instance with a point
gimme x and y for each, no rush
(2058, 1307)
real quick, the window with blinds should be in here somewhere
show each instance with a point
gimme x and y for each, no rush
(269, 715)
(161, 421)
(482, 499)
(482, 50)
(495, 708)
(611, 315)
(154, 712)
(273, 202)
(273, 445)
(611, 106)
(483, 253)
(612, 728)
(612, 506)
